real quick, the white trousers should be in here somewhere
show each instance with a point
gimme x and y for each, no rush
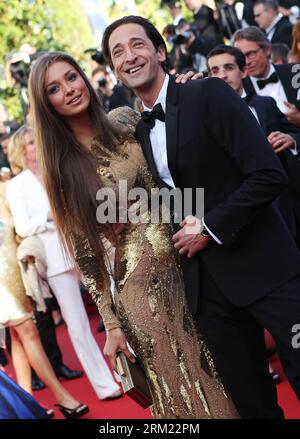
(67, 292)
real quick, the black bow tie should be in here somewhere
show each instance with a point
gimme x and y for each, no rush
(261, 83)
(249, 98)
(150, 116)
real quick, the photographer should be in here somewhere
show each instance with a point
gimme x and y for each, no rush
(17, 71)
(189, 49)
(178, 59)
(204, 21)
(112, 96)
(197, 46)
(229, 13)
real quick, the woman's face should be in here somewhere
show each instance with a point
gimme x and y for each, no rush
(66, 89)
(30, 150)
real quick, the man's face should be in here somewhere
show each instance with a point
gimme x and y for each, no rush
(224, 66)
(257, 58)
(135, 60)
(263, 17)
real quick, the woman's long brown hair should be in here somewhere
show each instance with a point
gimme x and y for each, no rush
(68, 168)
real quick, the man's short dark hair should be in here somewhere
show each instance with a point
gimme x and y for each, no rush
(252, 33)
(268, 4)
(238, 55)
(150, 30)
(280, 52)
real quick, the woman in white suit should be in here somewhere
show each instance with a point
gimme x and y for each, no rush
(30, 209)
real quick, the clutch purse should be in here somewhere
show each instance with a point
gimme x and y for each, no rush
(133, 380)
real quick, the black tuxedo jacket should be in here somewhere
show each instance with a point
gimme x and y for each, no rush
(213, 143)
(283, 32)
(285, 75)
(272, 119)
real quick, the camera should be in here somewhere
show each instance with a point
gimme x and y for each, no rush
(102, 82)
(20, 71)
(181, 38)
(19, 64)
(96, 55)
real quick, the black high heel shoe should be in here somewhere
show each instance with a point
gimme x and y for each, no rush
(50, 413)
(75, 413)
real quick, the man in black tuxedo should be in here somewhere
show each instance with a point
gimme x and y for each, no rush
(242, 269)
(278, 29)
(265, 79)
(228, 63)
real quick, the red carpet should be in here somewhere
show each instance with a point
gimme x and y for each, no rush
(126, 408)
(123, 408)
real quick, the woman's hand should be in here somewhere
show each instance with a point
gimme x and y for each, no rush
(114, 236)
(293, 114)
(116, 342)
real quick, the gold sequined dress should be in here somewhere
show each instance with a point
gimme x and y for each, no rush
(15, 306)
(151, 304)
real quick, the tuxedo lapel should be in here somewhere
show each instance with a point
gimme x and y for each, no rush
(277, 29)
(260, 113)
(172, 126)
(248, 86)
(142, 135)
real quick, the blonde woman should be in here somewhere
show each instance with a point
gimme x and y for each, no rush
(16, 313)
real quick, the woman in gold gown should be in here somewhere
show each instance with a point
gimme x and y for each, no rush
(150, 310)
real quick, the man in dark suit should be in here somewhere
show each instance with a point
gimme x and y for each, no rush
(241, 267)
(265, 79)
(278, 29)
(228, 63)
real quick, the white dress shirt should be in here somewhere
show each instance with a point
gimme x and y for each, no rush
(275, 90)
(158, 140)
(243, 95)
